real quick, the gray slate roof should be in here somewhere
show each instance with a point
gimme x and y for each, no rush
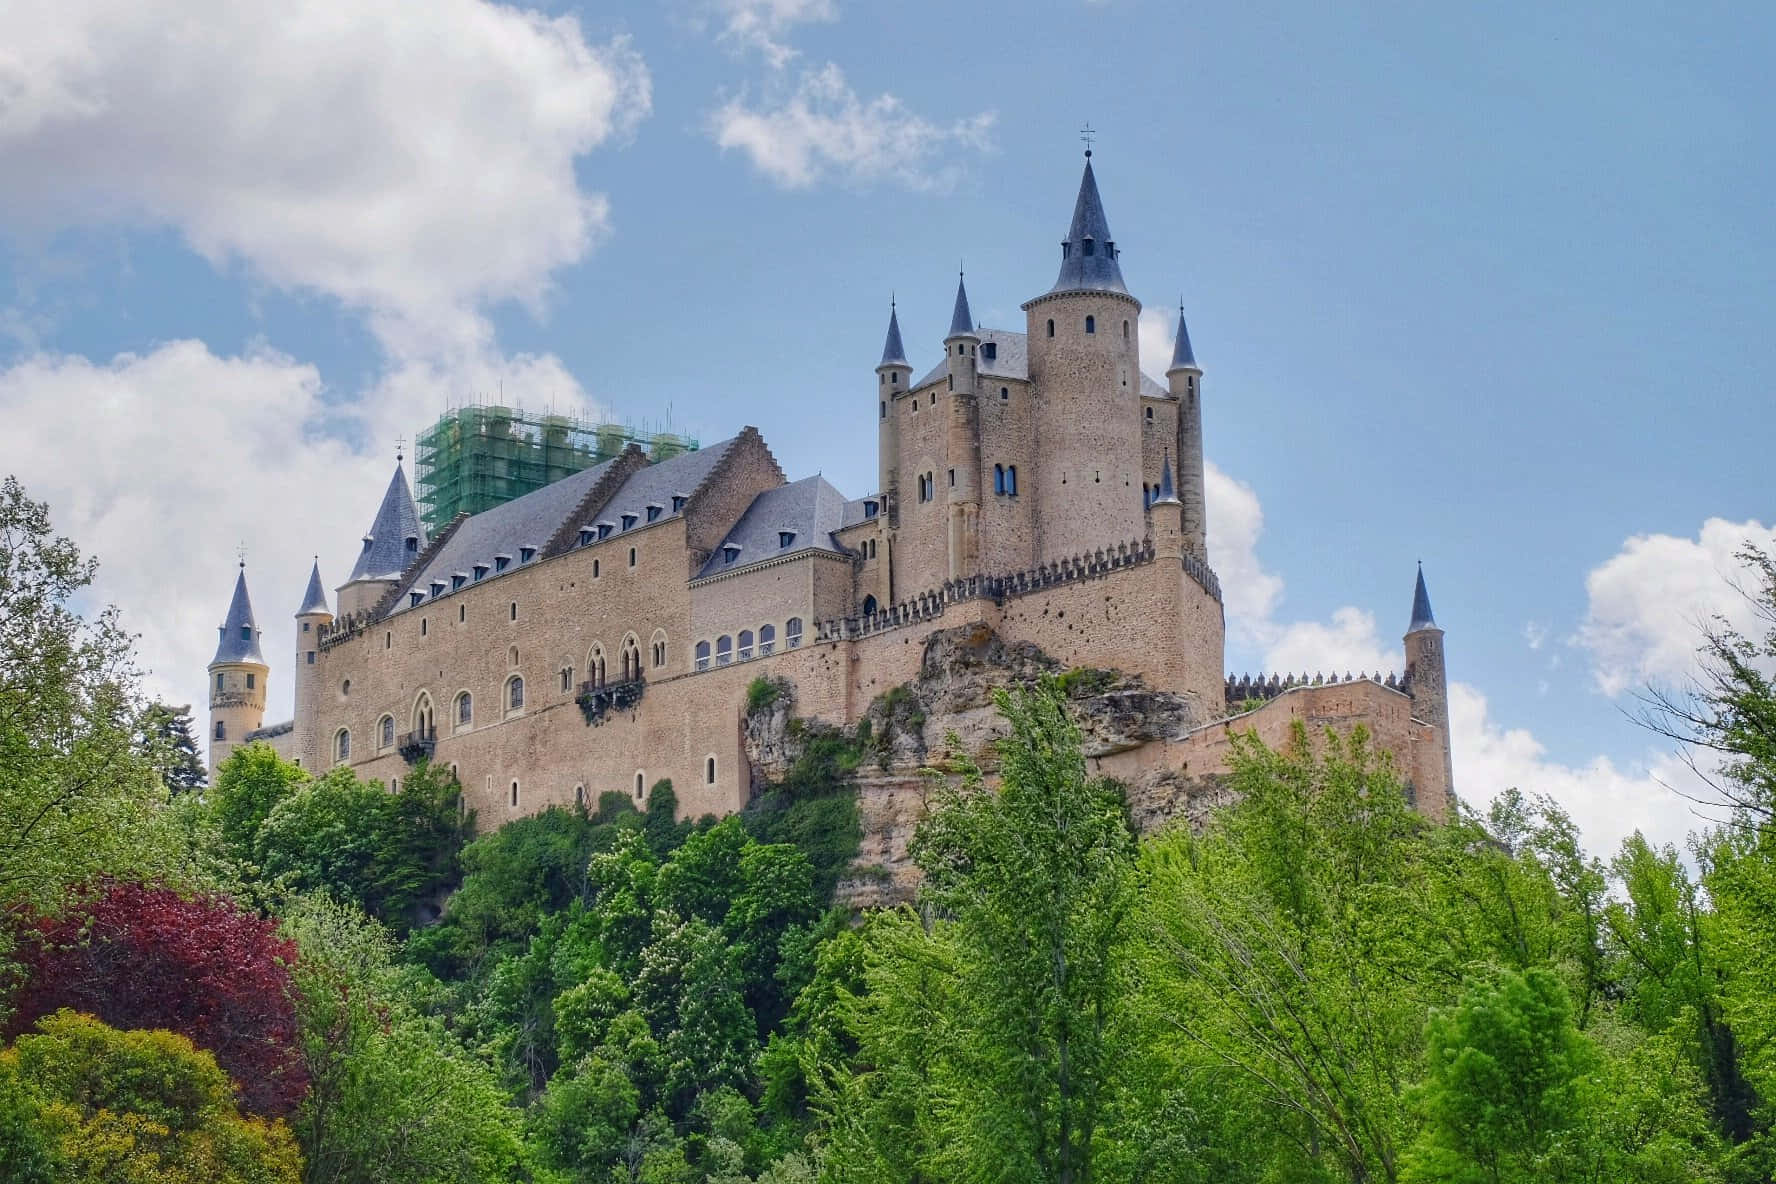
(239, 633)
(1421, 606)
(810, 509)
(531, 520)
(1098, 271)
(1182, 354)
(893, 352)
(1011, 359)
(857, 510)
(961, 320)
(386, 554)
(315, 599)
(270, 731)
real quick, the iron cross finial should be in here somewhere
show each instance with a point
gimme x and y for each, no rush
(1088, 135)
(241, 554)
(400, 448)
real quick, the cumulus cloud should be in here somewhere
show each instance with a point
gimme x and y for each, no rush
(365, 151)
(820, 129)
(761, 24)
(1647, 604)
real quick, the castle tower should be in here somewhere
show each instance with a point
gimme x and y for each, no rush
(893, 376)
(1427, 681)
(1166, 517)
(1184, 377)
(394, 541)
(962, 439)
(1085, 366)
(309, 619)
(237, 677)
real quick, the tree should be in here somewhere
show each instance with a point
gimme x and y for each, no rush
(138, 1108)
(142, 956)
(165, 737)
(77, 796)
(249, 786)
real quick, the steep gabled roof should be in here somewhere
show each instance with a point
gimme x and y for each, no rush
(808, 511)
(386, 552)
(239, 633)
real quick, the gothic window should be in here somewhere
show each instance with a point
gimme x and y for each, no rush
(221, 730)
(422, 715)
(342, 745)
(385, 730)
(702, 655)
(631, 659)
(792, 632)
(465, 710)
(514, 693)
(767, 639)
(745, 644)
(567, 679)
(659, 648)
(724, 650)
(595, 665)
(1091, 323)
(869, 606)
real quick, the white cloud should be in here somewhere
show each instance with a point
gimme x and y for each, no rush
(820, 129)
(1235, 522)
(1535, 635)
(760, 24)
(1346, 645)
(366, 151)
(1649, 602)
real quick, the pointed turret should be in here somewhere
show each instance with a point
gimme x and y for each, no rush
(1431, 778)
(1088, 256)
(1183, 357)
(240, 633)
(961, 320)
(1183, 379)
(395, 537)
(314, 600)
(1167, 494)
(893, 352)
(1421, 606)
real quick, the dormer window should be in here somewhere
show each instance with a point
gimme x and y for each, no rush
(871, 509)
(480, 571)
(246, 633)
(368, 542)
(412, 543)
(990, 351)
(413, 598)
(730, 552)
(458, 580)
(437, 587)
(604, 529)
(629, 521)
(654, 511)
(526, 554)
(587, 534)
(785, 537)
(501, 562)
(1089, 247)
(678, 502)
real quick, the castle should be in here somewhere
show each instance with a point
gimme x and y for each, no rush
(1035, 483)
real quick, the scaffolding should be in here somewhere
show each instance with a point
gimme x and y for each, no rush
(475, 458)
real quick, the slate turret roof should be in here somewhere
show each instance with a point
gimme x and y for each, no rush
(315, 599)
(239, 640)
(961, 319)
(387, 551)
(806, 512)
(1183, 357)
(893, 352)
(1167, 493)
(1421, 606)
(1088, 257)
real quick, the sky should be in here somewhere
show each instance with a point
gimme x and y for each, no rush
(1481, 286)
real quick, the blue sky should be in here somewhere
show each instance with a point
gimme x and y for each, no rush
(1481, 287)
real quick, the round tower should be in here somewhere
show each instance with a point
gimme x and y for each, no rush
(1427, 681)
(310, 619)
(894, 376)
(962, 439)
(392, 543)
(1085, 368)
(1184, 377)
(237, 677)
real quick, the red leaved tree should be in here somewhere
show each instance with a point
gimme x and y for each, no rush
(142, 956)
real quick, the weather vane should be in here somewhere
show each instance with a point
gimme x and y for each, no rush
(400, 447)
(241, 553)
(1088, 135)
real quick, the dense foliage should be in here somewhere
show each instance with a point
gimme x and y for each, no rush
(291, 977)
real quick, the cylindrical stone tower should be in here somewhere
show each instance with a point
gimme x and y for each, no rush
(1427, 681)
(893, 378)
(237, 678)
(309, 619)
(962, 440)
(1184, 377)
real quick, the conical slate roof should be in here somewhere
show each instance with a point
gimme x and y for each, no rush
(1183, 357)
(1167, 492)
(1088, 257)
(315, 599)
(239, 640)
(961, 320)
(893, 352)
(387, 551)
(1421, 606)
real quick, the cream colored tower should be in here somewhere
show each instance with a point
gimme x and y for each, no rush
(1184, 377)
(1427, 679)
(893, 376)
(237, 677)
(1085, 366)
(309, 619)
(962, 440)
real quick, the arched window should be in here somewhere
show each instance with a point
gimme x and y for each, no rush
(595, 665)
(221, 730)
(659, 652)
(792, 632)
(1091, 323)
(998, 478)
(1125, 330)
(767, 639)
(631, 556)
(567, 679)
(631, 659)
(579, 795)
(709, 771)
(724, 650)
(385, 731)
(342, 745)
(1004, 394)
(465, 710)
(884, 402)
(745, 644)
(702, 655)
(422, 716)
(1011, 481)
(869, 606)
(345, 688)
(514, 693)
(1051, 328)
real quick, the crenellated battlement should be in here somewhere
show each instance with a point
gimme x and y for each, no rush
(1247, 688)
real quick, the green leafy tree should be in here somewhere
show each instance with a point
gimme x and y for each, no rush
(165, 736)
(250, 783)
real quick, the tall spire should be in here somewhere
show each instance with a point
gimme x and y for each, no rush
(1183, 357)
(1088, 257)
(315, 599)
(239, 640)
(1421, 606)
(961, 321)
(893, 352)
(395, 538)
(1167, 493)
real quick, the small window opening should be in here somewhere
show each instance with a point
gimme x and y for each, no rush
(631, 556)
(709, 771)
(1091, 324)
(514, 610)
(1051, 328)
